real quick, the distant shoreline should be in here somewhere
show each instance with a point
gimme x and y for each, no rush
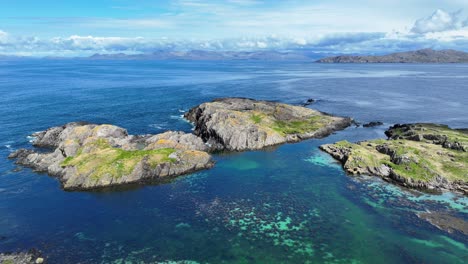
(424, 56)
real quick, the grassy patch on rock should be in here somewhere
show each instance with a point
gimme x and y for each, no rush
(99, 158)
(415, 159)
(298, 126)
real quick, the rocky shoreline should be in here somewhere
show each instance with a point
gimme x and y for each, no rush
(419, 156)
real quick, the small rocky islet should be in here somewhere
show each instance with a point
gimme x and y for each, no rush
(419, 156)
(237, 124)
(89, 156)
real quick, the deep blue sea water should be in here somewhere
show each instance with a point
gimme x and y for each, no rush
(288, 204)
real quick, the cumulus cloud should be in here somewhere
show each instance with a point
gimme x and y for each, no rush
(439, 21)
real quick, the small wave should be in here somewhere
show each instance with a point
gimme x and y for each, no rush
(182, 111)
(179, 117)
(31, 139)
(161, 126)
(8, 146)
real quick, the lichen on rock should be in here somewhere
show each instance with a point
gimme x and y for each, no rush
(423, 156)
(88, 156)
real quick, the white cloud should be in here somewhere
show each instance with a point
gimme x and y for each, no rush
(440, 30)
(3, 36)
(439, 21)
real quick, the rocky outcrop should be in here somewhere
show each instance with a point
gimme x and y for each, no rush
(242, 124)
(456, 139)
(409, 158)
(88, 156)
(418, 56)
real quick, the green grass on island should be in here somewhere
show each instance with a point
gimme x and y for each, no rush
(416, 160)
(288, 127)
(98, 158)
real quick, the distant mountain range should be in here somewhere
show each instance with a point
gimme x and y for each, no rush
(418, 56)
(211, 55)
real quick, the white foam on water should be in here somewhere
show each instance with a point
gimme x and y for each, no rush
(163, 125)
(179, 118)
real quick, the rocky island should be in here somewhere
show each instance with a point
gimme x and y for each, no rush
(418, 56)
(238, 124)
(89, 156)
(422, 156)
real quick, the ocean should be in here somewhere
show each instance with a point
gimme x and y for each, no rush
(287, 204)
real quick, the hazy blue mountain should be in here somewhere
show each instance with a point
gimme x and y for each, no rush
(418, 56)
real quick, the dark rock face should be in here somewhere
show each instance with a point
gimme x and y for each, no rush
(89, 156)
(419, 56)
(308, 102)
(241, 124)
(373, 124)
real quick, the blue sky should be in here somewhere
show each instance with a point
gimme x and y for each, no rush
(74, 28)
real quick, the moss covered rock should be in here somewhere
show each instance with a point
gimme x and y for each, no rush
(89, 156)
(425, 156)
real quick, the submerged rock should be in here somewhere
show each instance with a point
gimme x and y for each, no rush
(88, 156)
(242, 124)
(308, 102)
(422, 156)
(373, 124)
(445, 222)
(31, 257)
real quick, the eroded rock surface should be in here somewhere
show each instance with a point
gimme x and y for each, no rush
(245, 124)
(409, 158)
(87, 156)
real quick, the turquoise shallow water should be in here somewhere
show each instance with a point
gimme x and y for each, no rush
(288, 204)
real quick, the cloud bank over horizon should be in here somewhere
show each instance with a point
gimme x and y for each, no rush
(235, 25)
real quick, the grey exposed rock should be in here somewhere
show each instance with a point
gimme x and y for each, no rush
(241, 124)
